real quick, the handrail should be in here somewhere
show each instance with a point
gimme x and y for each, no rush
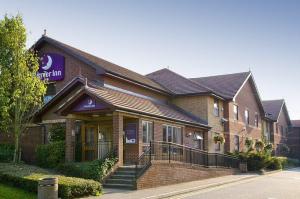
(141, 168)
(173, 152)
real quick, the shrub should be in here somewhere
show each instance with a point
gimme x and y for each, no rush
(57, 132)
(95, 170)
(274, 163)
(26, 177)
(50, 155)
(293, 162)
(6, 152)
(257, 161)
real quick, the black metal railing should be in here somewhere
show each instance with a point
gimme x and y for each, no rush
(171, 152)
(143, 162)
(92, 150)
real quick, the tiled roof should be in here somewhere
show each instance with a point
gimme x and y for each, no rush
(272, 108)
(295, 123)
(225, 85)
(103, 64)
(125, 101)
(176, 83)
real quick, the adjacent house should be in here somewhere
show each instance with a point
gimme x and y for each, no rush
(293, 139)
(277, 124)
(230, 103)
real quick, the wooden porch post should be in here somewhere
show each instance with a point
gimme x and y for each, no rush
(118, 135)
(70, 140)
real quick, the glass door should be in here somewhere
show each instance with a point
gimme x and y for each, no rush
(89, 142)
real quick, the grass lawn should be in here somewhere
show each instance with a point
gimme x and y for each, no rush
(8, 192)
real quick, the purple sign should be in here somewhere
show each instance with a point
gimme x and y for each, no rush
(88, 103)
(52, 67)
(130, 133)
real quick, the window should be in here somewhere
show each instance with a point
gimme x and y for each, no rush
(50, 92)
(216, 108)
(172, 134)
(247, 117)
(198, 140)
(281, 130)
(277, 129)
(235, 112)
(256, 120)
(147, 131)
(236, 143)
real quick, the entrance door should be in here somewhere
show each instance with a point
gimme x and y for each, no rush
(89, 142)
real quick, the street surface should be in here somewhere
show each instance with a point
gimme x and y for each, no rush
(282, 185)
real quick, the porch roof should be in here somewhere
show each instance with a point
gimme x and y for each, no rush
(130, 102)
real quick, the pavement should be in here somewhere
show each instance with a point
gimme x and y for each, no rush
(176, 189)
(280, 185)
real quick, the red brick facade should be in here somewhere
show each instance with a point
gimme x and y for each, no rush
(165, 174)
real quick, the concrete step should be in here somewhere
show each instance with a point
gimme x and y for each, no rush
(119, 186)
(125, 172)
(119, 181)
(122, 176)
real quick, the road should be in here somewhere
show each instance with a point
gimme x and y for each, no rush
(282, 185)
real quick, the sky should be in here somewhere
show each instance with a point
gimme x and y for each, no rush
(191, 37)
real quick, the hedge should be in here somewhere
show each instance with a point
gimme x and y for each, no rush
(50, 155)
(27, 176)
(6, 152)
(95, 170)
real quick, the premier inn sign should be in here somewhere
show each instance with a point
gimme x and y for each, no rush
(52, 67)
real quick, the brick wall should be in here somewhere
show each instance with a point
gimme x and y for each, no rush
(294, 142)
(29, 141)
(280, 134)
(197, 105)
(165, 174)
(244, 100)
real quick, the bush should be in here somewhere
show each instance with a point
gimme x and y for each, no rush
(257, 161)
(95, 170)
(293, 162)
(274, 163)
(50, 155)
(6, 152)
(57, 132)
(26, 177)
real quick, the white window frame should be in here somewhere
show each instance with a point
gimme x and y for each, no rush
(216, 108)
(236, 114)
(247, 116)
(149, 131)
(256, 118)
(170, 130)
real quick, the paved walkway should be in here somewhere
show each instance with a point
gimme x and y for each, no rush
(170, 190)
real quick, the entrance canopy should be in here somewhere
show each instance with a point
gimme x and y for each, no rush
(103, 99)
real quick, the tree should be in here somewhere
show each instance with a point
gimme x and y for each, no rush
(21, 91)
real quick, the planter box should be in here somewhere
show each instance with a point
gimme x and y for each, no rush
(243, 167)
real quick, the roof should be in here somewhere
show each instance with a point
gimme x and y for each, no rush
(272, 108)
(128, 101)
(225, 85)
(101, 64)
(176, 83)
(295, 123)
(146, 106)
